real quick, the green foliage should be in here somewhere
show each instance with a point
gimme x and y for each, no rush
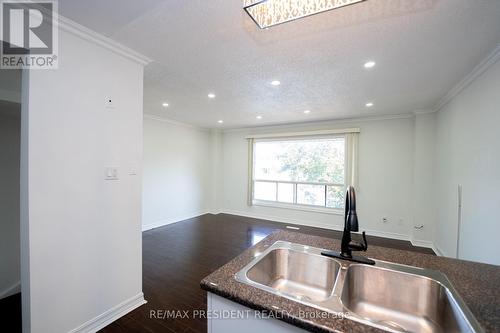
(313, 161)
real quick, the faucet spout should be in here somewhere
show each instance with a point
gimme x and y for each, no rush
(351, 217)
(351, 224)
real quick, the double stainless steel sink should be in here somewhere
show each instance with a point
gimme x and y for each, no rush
(392, 297)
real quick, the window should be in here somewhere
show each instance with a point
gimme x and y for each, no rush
(309, 172)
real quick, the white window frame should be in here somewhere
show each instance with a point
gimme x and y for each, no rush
(350, 168)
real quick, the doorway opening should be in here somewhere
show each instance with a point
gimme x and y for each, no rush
(10, 152)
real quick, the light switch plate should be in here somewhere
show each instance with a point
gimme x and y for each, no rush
(111, 173)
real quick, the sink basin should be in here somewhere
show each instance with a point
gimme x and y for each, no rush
(405, 302)
(388, 296)
(296, 273)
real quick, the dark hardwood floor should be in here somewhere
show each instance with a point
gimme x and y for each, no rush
(176, 257)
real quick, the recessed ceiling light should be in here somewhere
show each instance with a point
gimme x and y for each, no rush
(307, 111)
(259, 117)
(369, 105)
(370, 64)
(165, 105)
(221, 121)
(275, 83)
(211, 95)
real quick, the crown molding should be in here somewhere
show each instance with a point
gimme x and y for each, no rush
(174, 122)
(284, 126)
(490, 60)
(79, 30)
(83, 32)
(323, 122)
(420, 112)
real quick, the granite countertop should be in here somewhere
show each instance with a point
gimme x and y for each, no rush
(477, 284)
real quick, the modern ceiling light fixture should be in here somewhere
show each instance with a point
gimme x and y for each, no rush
(307, 111)
(211, 95)
(275, 83)
(267, 13)
(369, 104)
(165, 105)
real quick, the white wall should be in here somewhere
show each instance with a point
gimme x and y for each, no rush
(216, 174)
(10, 85)
(10, 137)
(178, 172)
(82, 234)
(468, 153)
(423, 179)
(410, 168)
(386, 156)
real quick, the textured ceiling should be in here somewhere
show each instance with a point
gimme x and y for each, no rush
(422, 49)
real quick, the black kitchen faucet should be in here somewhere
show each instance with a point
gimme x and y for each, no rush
(350, 224)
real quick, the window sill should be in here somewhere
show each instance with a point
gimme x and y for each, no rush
(304, 208)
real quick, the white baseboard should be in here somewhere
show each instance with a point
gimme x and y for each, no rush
(429, 245)
(162, 223)
(111, 315)
(280, 219)
(12, 290)
(422, 243)
(388, 234)
(285, 220)
(376, 233)
(438, 251)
